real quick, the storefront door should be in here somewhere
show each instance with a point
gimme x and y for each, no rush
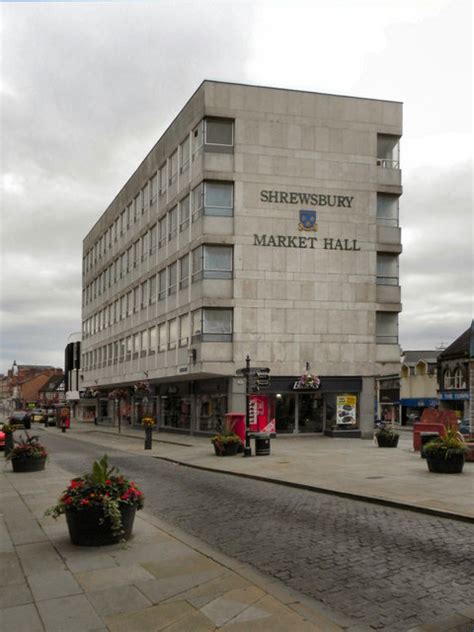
(310, 412)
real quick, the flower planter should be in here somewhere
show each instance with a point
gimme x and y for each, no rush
(226, 449)
(440, 465)
(387, 441)
(25, 464)
(89, 527)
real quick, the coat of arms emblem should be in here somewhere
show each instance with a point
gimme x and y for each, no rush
(308, 220)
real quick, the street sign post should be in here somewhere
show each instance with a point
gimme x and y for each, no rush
(256, 378)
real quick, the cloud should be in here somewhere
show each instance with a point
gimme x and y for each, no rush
(87, 89)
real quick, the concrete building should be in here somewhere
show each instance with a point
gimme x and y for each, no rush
(263, 222)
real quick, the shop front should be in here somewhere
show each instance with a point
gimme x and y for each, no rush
(331, 407)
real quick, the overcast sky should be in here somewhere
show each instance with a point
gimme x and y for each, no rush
(88, 88)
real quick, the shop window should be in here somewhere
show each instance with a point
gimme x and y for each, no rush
(219, 132)
(211, 410)
(388, 151)
(176, 411)
(387, 209)
(386, 328)
(387, 269)
(212, 325)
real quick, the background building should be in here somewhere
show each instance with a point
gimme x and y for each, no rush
(263, 222)
(456, 376)
(418, 384)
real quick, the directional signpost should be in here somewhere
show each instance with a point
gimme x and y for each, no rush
(256, 380)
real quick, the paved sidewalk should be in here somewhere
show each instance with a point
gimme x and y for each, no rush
(349, 467)
(161, 580)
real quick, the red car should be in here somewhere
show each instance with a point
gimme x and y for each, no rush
(2, 440)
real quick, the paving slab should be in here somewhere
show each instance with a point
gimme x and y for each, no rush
(20, 619)
(118, 600)
(52, 584)
(71, 614)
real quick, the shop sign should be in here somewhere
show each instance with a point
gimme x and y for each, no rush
(259, 412)
(346, 409)
(462, 395)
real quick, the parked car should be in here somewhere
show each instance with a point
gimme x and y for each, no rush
(20, 418)
(50, 416)
(464, 427)
(2, 438)
(38, 415)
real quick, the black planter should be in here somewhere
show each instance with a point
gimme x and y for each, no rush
(89, 527)
(226, 449)
(387, 441)
(441, 465)
(28, 464)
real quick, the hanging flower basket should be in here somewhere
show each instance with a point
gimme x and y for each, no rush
(118, 393)
(142, 388)
(307, 382)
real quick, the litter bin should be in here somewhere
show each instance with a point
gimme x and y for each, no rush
(262, 443)
(425, 438)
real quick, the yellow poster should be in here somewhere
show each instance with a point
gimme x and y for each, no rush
(346, 409)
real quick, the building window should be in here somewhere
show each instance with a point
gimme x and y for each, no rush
(172, 333)
(386, 328)
(172, 223)
(184, 214)
(173, 171)
(212, 262)
(153, 189)
(153, 233)
(218, 198)
(387, 269)
(152, 340)
(387, 209)
(184, 330)
(129, 214)
(212, 325)
(163, 180)
(388, 151)
(143, 342)
(144, 246)
(136, 298)
(144, 198)
(136, 345)
(162, 232)
(184, 154)
(184, 272)
(144, 294)
(137, 207)
(448, 380)
(162, 284)
(162, 337)
(122, 349)
(219, 132)
(172, 278)
(152, 289)
(128, 347)
(458, 379)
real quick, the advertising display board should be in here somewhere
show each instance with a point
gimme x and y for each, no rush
(346, 409)
(259, 414)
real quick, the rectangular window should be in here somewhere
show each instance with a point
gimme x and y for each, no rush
(219, 132)
(143, 342)
(144, 246)
(162, 337)
(123, 265)
(212, 262)
(152, 289)
(116, 229)
(153, 232)
(128, 349)
(184, 272)
(162, 232)
(162, 284)
(129, 303)
(172, 223)
(184, 330)
(184, 214)
(136, 253)
(122, 349)
(123, 308)
(387, 209)
(215, 324)
(172, 278)
(136, 207)
(173, 164)
(115, 351)
(198, 201)
(387, 269)
(184, 154)
(136, 298)
(136, 344)
(163, 179)
(388, 151)
(218, 198)
(130, 215)
(129, 258)
(197, 255)
(144, 294)
(386, 328)
(123, 223)
(172, 333)
(153, 189)
(152, 340)
(144, 198)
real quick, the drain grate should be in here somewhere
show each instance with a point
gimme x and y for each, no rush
(374, 477)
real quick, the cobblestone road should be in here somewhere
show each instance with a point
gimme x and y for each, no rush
(386, 568)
